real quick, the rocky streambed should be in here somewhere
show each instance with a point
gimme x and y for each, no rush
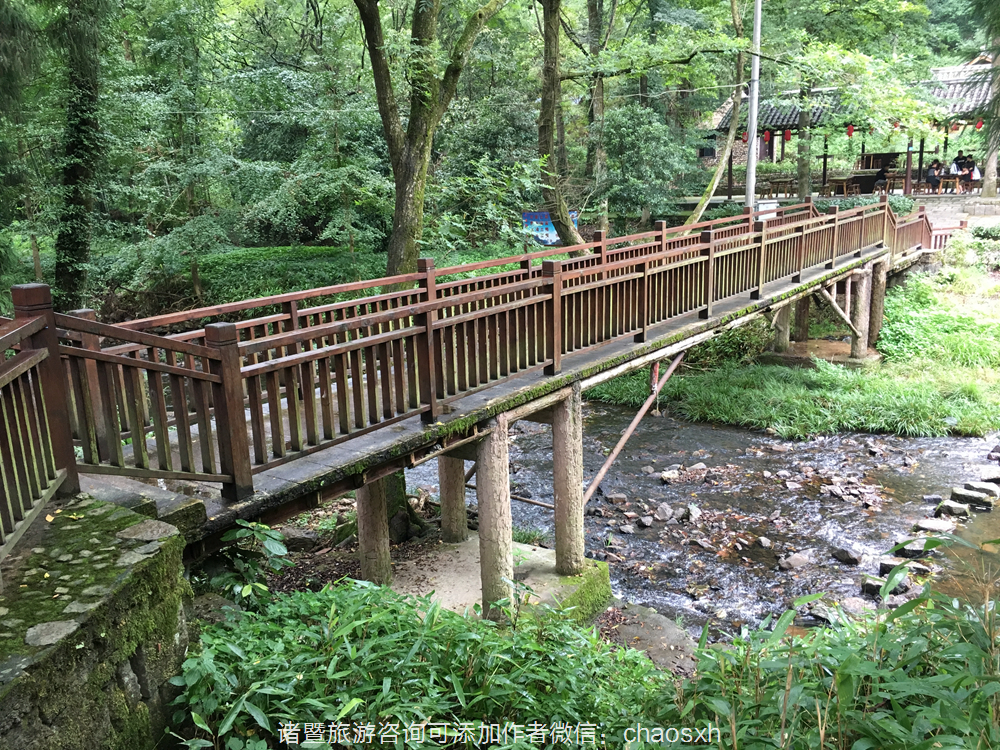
(712, 523)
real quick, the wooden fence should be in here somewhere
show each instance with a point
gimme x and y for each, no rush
(247, 386)
(36, 452)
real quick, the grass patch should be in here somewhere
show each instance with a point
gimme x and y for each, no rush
(528, 535)
(799, 403)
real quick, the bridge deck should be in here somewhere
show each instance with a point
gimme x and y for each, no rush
(303, 482)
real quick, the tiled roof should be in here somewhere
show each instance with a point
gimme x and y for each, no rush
(962, 89)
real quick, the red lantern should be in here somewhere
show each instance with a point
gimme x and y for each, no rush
(979, 125)
(788, 135)
(850, 131)
(745, 137)
(896, 126)
(767, 136)
(954, 127)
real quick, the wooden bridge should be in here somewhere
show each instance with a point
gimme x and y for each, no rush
(281, 401)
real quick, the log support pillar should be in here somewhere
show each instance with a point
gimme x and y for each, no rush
(496, 553)
(782, 328)
(373, 533)
(567, 460)
(801, 330)
(861, 312)
(879, 274)
(451, 479)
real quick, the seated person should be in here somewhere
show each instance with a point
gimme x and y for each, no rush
(957, 164)
(934, 175)
(881, 178)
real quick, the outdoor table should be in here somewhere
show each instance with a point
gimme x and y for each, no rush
(953, 179)
(782, 185)
(840, 184)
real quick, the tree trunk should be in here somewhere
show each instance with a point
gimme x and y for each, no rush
(408, 215)
(562, 156)
(597, 158)
(803, 144)
(82, 147)
(734, 124)
(552, 195)
(993, 147)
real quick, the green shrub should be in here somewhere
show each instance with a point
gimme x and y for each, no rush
(900, 204)
(358, 653)
(924, 675)
(986, 233)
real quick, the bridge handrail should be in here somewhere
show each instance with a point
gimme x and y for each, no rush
(228, 400)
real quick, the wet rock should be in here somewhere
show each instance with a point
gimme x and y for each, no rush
(855, 605)
(612, 557)
(697, 467)
(914, 548)
(872, 586)
(669, 476)
(300, 540)
(886, 565)
(646, 521)
(971, 497)
(848, 555)
(664, 512)
(713, 477)
(793, 561)
(694, 513)
(674, 467)
(766, 474)
(793, 485)
(909, 461)
(987, 488)
(932, 498)
(783, 474)
(777, 448)
(764, 542)
(934, 525)
(950, 508)
(616, 498)
(704, 544)
(626, 528)
(647, 469)
(631, 516)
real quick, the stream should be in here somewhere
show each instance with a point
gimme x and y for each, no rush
(717, 567)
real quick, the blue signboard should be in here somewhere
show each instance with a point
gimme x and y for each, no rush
(539, 223)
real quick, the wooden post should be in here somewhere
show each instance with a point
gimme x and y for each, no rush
(860, 312)
(800, 253)
(920, 162)
(567, 475)
(782, 328)
(33, 300)
(373, 533)
(451, 480)
(496, 552)
(800, 331)
(708, 238)
(884, 203)
(642, 300)
(230, 417)
(90, 342)
(879, 274)
(426, 344)
(835, 242)
(908, 180)
(552, 272)
(761, 228)
(826, 155)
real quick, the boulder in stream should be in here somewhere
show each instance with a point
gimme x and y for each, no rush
(848, 555)
(987, 488)
(795, 560)
(971, 497)
(664, 512)
(951, 508)
(935, 525)
(872, 586)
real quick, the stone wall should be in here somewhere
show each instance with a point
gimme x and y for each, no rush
(92, 628)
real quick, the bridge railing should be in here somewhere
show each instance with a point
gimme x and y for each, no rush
(36, 452)
(244, 387)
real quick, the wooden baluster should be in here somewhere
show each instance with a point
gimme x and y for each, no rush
(427, 349)
(293, 377)
(230, 417)
(31, 300)
(90, 341)
(552, 273)
(136, 405)
(164, 458)
(835, 241)
(708, 238)
(642, 303)
(761, 228)
(800, 252)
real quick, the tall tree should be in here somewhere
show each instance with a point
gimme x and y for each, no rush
(431, 91)
(552, 194)
(993, 115)
(80, 36)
